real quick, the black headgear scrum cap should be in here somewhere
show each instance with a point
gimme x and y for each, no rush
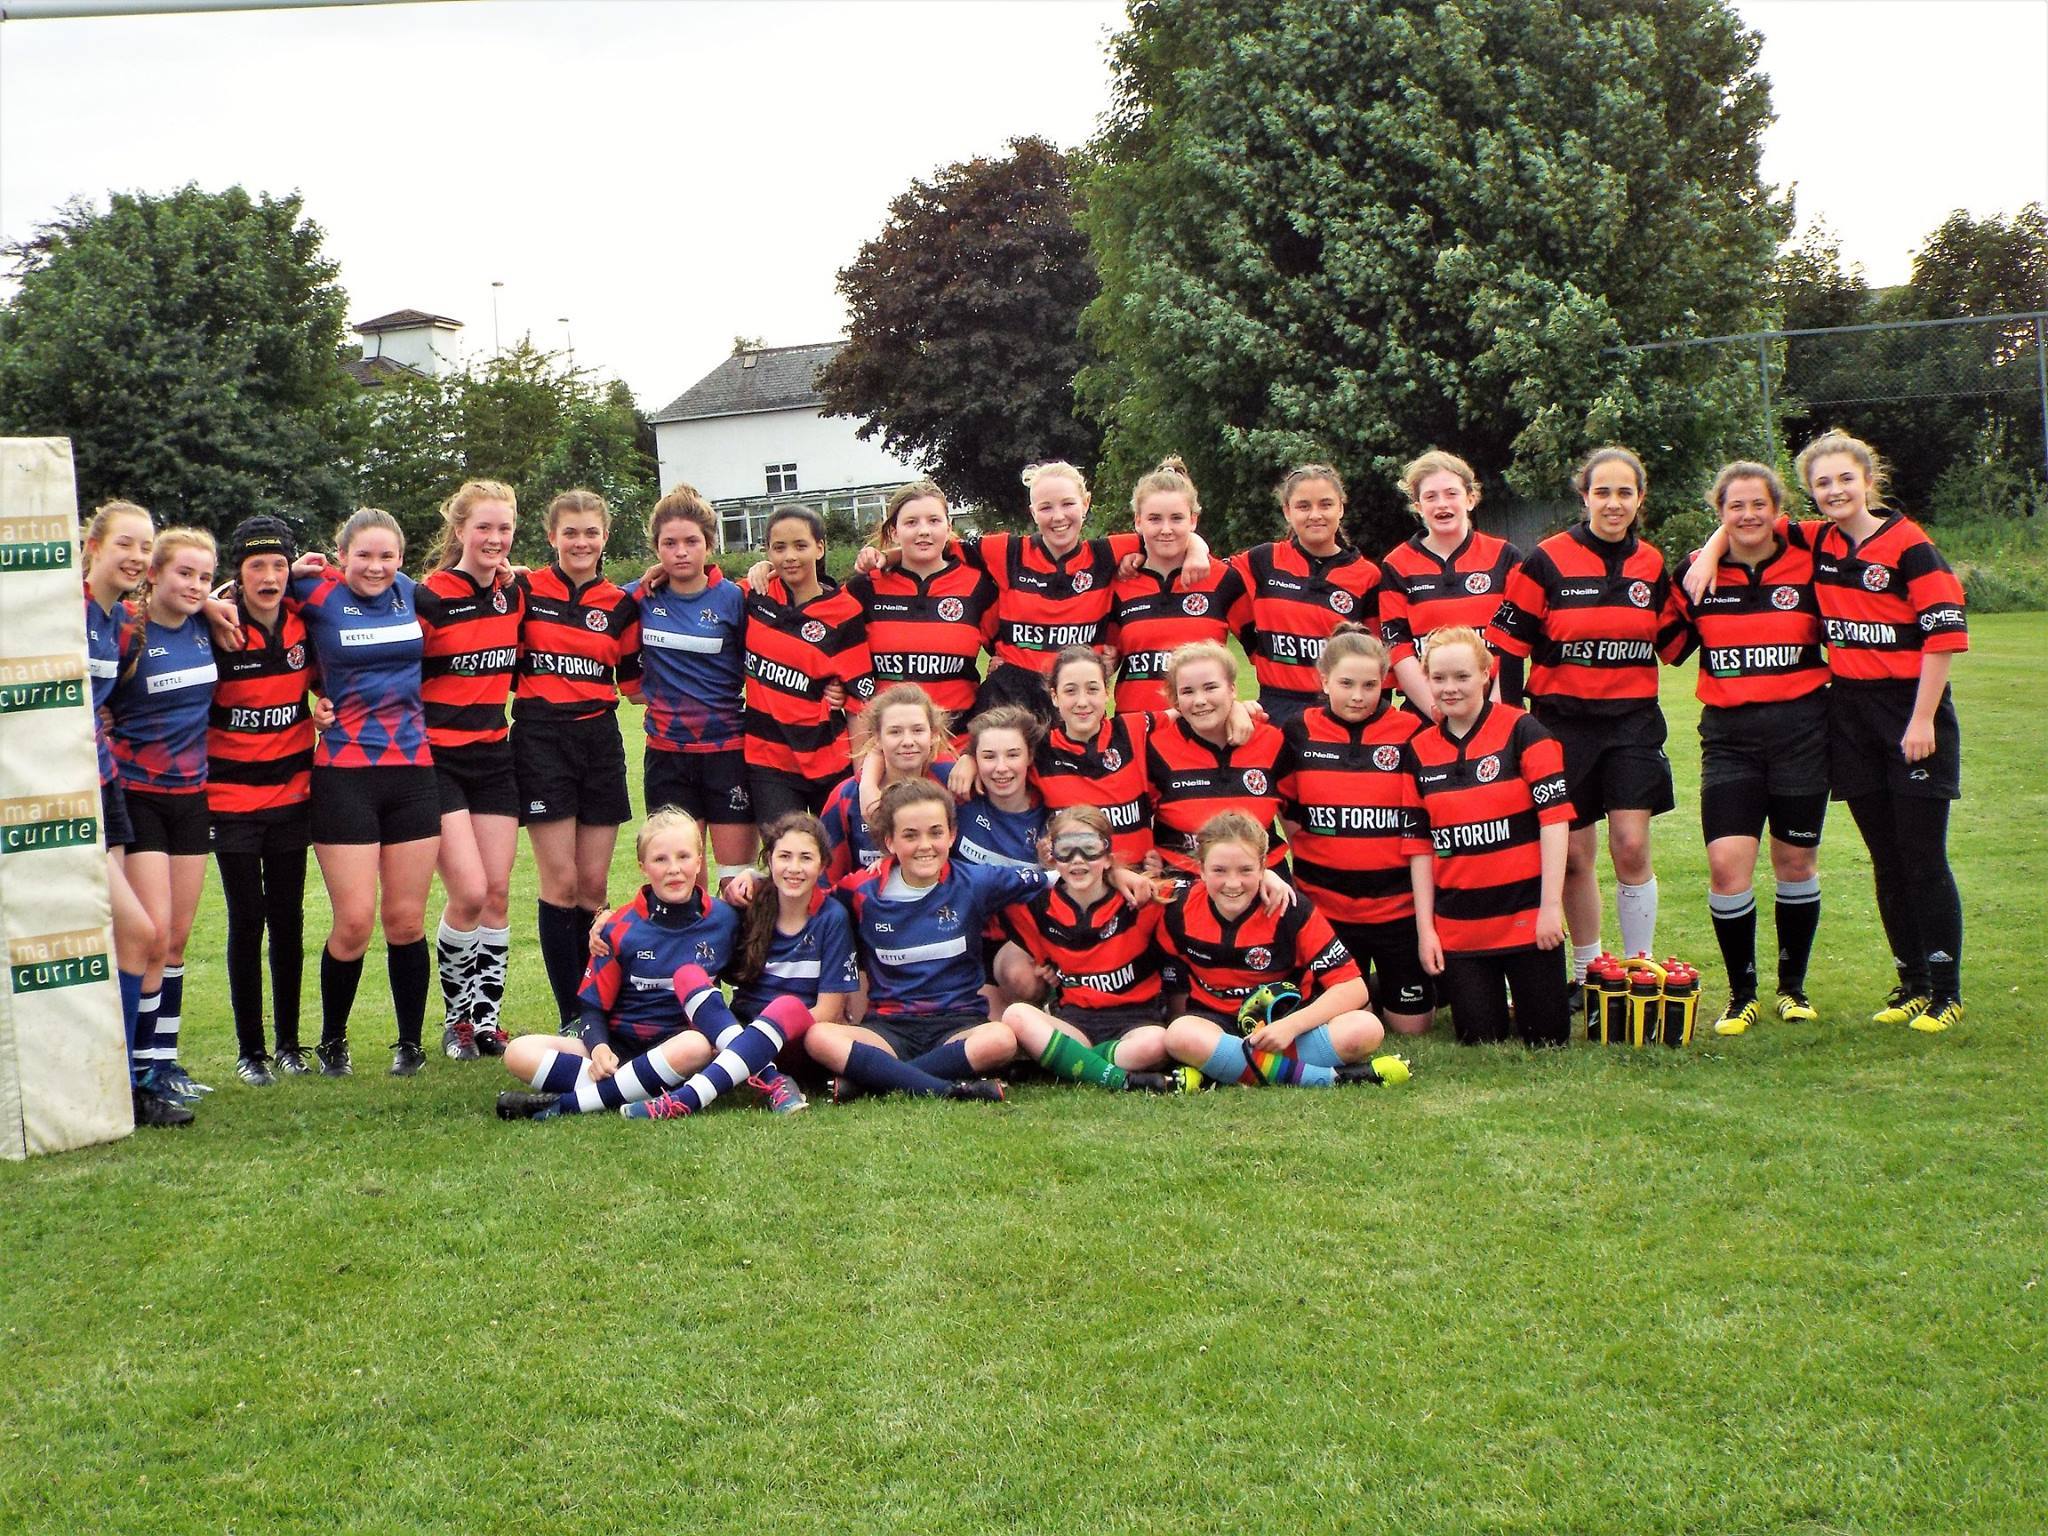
(260, 535)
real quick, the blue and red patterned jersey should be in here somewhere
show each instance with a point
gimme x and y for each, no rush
(632, 990)
(988, 835)
(924, 951)
(104, 628)
(819, 958)
(693, 655)
(369, 651)
(160, 705)
(848, 847)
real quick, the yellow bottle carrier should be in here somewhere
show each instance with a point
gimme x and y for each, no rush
(1638, 1002)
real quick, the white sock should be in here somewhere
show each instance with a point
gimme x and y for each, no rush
(1583, 955)
(1636, 906)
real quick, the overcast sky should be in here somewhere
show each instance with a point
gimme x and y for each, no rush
(667, 176)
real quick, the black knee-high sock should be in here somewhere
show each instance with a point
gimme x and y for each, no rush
(564, 947)
(338, 981)
(241, 883)
(1873, 816)
(284, 905)
(1735, 931)
(1931, 892)
(1798, 918)
(410, 969)
(947, 1059)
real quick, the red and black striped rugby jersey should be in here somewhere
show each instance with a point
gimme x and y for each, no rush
(1758, 632)
(1293, 600)
(469, 654)
(1484, 800)
(1107, 954)
(930, 630)
(259, 733)
(1046, 602)
(1108, 772)
(1886, 601)
(1422, 592)
(576, 646)
(794, 650)
(1150, 617)
(1349, 793)
(1225, 960)
(1588, 613)
(1191, 781)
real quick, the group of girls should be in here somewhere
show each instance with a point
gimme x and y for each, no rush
(1446, 843)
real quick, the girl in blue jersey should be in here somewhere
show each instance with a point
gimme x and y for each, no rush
(908, 737)
(693, 625)
(653, 1023)
(160, 706)
(376, 806)
(118, 542)
(1001, 825)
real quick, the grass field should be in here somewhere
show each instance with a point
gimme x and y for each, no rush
(1792, 1282)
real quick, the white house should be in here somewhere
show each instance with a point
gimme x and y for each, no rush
(408, 341)
(750, 437)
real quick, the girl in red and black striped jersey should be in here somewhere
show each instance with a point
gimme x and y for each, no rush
(1101, 951)
(1192, 769)
(1763, 735)
(1090, 757)
(259, 772)
(1587, 607)
(579, 642)
(1492, 787)
(1447, 573)
(1225, 944)
(1893, 615)
(1297, 591)
(931, 616)
(1354, 826)
(808, 669)
(1152, 613)
(471, 613)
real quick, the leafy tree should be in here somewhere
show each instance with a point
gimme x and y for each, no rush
(189, 345)
(1814, 288)
(963, 345)
(1326, 229)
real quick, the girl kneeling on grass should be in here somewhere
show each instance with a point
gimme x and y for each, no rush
(1102, 950)
(1228, 947)
(653, 1020)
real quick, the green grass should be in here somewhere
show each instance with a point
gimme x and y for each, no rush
(1788, 1283)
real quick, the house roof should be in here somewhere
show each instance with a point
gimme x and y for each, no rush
(405, 320)
(373, 371)
(776, 379)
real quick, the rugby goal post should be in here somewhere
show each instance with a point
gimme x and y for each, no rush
(63, 1055)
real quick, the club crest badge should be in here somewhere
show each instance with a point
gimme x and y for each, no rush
(499, 604)
(1341, 601)
(1386, 759)
(1876, 578)
(1639, 593)
(1195, 604)
(1488, 770)
(1479, 583)
(1254, 781)
(1258, 958)
(813, 632)
(1083, 581)
(1785, 597)
(295, 658)
(1112, 760)
(951, 609)
(594, 621)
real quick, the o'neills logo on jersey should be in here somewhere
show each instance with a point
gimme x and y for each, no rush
(1488, 770)
(1254, 781)
(1258, 958)
(1639, 593)
(1876, 577)
(1195, 604)
(813, 632)
(39, 962)
(1083, 581)
(1785, 597)
(951, 609)
(1386, 759)
(1479, 583)
(1341, 601)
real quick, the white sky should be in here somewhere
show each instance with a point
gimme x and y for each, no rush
(668, 176)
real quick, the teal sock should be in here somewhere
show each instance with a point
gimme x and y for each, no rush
(1228, 1063)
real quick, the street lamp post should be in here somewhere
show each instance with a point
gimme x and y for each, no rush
(497, 348)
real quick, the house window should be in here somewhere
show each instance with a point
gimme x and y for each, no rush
(781, 479)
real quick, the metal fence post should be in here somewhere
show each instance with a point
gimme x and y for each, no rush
(2041, 373)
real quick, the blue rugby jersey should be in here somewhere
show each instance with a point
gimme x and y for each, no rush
(803, 965)
(161, 702)
(924, 954)
(369, 652)
(848, 847)
(693, 665)
(1004, 838)
(103, 631)
(629, 995)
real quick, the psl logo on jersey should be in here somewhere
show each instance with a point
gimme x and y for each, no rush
(1785, 597)
(1341, 601)
(593, 621)
(295, 658)
(1479, 583)
(498, 599)
(1488, 770)
(951, 609)
(1386, 759)
(1639, 593)
(1254, 781)
(1258, 958)
(1195, 604)
(1082, 581)
(1876, 578)
(813, 632)
(1112, 760)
